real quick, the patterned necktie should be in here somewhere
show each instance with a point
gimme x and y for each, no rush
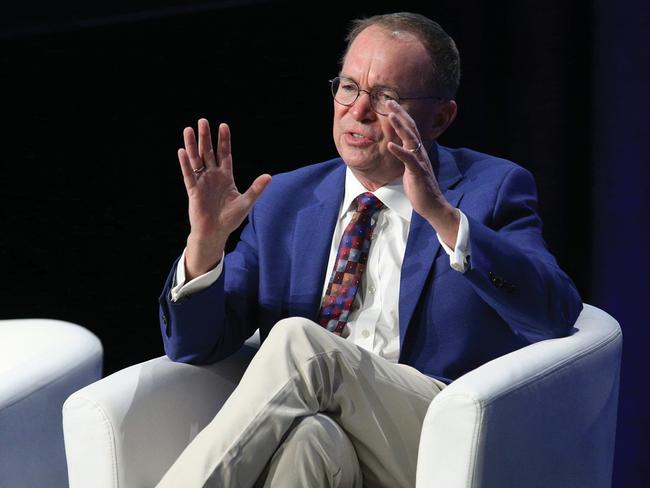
(349, 264)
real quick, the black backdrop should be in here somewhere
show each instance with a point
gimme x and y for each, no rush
(94, 100)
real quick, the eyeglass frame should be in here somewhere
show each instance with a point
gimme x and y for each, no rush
(370, 94)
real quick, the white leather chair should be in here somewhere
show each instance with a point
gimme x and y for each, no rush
(42, 362)
(542, 416)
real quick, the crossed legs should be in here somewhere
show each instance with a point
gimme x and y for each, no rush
(300, 371)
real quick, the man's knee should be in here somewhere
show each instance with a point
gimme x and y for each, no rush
(291, 328)
(297, 341)
(319, 430)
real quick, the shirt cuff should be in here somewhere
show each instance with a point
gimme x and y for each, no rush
(185, 290)
(459, 256)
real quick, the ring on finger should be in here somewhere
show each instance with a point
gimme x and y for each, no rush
(419, 146)
(200, 170)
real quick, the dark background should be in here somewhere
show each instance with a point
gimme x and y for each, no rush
(94, 99)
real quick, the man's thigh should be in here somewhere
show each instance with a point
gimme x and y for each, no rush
(379, 404)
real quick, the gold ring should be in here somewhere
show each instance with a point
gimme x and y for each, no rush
(417, 148)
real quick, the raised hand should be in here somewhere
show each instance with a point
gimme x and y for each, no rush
(216, 207)
(420, 183)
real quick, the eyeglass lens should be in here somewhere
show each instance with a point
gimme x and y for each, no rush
(346, 92)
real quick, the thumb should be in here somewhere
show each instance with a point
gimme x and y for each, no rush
(256, 189)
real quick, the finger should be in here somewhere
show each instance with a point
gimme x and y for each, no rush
(206, 153)
(410, 139)
(224, 154)
(397, 109)
(191, 149)
(186, 167)
(411, 160)
(253, 193)
(404, 125)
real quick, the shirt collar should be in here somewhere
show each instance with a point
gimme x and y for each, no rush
(391, 194)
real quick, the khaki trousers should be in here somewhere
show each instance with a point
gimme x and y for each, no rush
(305, 391)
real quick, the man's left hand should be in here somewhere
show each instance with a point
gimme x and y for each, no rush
(420, 183)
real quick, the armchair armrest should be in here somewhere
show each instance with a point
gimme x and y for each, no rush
(128, 428)
(544, 415)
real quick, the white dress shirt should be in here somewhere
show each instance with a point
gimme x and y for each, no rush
(373, 322)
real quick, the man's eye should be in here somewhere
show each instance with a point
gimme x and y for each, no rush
(386, 96)
(348, 87)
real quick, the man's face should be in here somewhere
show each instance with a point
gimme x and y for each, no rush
(376, 58)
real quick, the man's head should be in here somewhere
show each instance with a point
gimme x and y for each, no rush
(443, 54)
(415, 58)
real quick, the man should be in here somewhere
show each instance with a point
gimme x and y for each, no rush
(358, 338)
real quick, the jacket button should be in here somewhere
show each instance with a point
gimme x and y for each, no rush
(496, 280)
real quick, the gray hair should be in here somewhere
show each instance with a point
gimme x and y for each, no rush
(445, 60)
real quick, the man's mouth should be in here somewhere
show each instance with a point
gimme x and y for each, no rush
(358, 138)
(359, 135)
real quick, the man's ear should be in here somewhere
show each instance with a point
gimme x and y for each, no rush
(445, 115)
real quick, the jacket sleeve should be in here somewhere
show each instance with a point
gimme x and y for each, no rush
(512, 269)
(205, 327)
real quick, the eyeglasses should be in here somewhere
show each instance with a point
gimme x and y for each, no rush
(346, 91)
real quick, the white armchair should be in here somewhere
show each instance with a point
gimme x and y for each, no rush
(42, 362)
(542, 416)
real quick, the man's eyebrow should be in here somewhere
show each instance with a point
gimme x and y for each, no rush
(390, 87)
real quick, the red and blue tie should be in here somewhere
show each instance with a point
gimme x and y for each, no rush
(349, 264)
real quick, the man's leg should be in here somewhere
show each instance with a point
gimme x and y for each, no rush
(317, 453)
(302, 369)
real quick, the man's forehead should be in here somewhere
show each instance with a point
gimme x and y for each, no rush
(376, 40)
(389, 54)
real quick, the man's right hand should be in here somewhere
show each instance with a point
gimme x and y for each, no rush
(216, 208)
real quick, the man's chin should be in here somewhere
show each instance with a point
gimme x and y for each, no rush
(360, 162)
(360, 166)
(371, 164)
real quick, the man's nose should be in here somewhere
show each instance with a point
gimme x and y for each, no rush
(362, 107)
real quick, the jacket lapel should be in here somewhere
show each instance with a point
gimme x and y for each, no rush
(422, 244)
(311, 244)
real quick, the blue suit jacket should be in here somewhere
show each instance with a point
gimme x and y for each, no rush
(513, 293)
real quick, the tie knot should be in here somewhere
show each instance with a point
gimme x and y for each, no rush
(367, 202)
